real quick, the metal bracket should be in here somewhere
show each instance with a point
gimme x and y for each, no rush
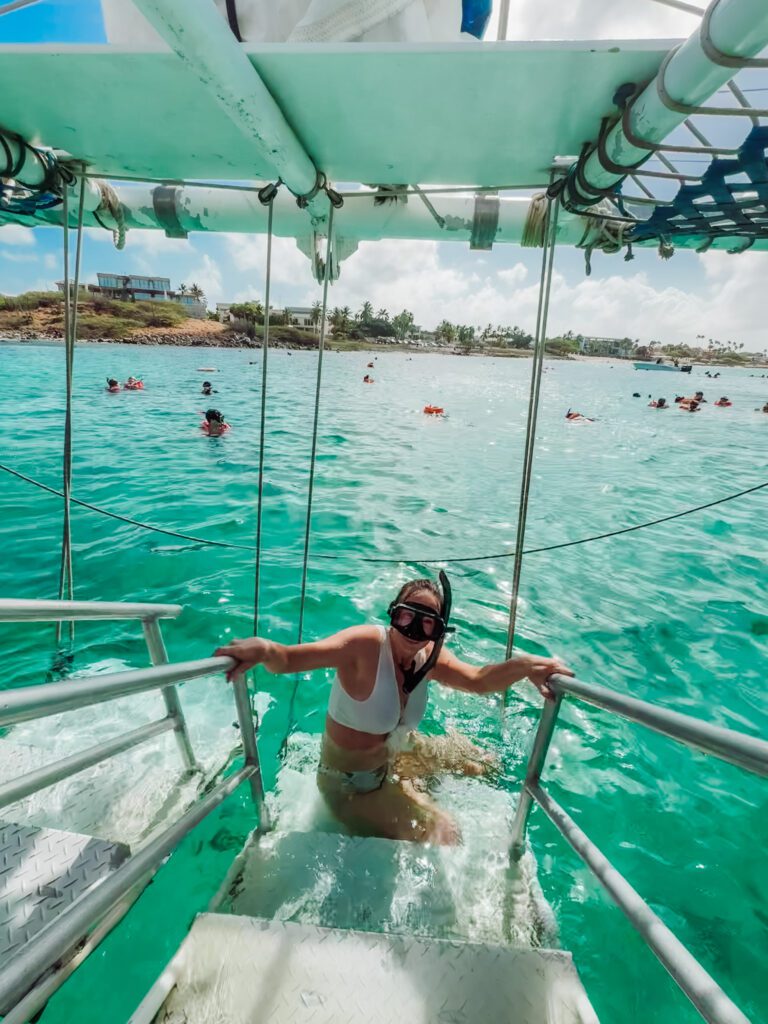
(687, 108)
(716, 55)
(485, 221)
(164, 203)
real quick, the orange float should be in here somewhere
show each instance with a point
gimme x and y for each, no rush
(434, 410)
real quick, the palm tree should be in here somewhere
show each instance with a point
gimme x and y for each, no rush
(196, 292)
(346, 317)
(366, 313)
(383, 315)
(182, 289)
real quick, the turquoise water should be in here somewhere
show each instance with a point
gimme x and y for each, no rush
(675, 614)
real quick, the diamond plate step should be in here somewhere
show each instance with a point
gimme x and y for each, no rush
(369, 884)
(42, 872)
(237, 970)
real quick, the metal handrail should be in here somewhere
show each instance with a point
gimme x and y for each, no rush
(82, 611)
(66, 932)
(737, 748)
(74, 924)
(30, 702)
(50, 774)
(149, 614)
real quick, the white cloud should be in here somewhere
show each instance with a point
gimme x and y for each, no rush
(726, 302)
(249, 255)
(19, 257)
(50, 262)
(16, 234)
(208, 276)
(515, 275)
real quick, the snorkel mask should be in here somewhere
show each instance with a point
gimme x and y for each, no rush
(421, 623)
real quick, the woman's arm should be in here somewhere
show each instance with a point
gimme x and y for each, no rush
(333, 652)
(459, 675)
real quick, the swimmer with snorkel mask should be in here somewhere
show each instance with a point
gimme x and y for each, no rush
(372, 755)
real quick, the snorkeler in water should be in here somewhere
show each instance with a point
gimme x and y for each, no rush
(214, 424)
(372, 758)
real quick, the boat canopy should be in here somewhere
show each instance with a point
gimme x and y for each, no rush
(191, 116)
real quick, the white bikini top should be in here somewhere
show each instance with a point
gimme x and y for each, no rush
(380, 713)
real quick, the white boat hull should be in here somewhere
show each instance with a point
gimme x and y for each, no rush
(662, 366)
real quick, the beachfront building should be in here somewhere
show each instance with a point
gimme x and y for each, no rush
(300, 316)
(223, 312)
(139, 288)
(618, 348)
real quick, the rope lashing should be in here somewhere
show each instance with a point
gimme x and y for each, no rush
(535, 220)
(401, 560)
(603, 229)
(111, 205)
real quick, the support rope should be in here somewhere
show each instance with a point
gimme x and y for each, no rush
(329, 256)
(263, 420)
(65, 568)
(545, 285)
(66, 579)
(403, 559)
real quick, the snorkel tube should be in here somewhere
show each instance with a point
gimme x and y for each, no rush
(413, 676)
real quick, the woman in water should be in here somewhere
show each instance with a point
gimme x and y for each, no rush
(371, 753)
(214, 424)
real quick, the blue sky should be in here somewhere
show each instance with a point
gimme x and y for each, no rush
(717, 295)
(54, 21)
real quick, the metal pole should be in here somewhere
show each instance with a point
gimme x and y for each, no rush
(251, 750)
(64, 933)
(548, 260)
(703, 991)
(501, 35)
(262, 427)
(202, 40)
(207, 209)
(159, 656)
(538, 756)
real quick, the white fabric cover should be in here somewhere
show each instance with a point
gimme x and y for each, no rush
(313, 21)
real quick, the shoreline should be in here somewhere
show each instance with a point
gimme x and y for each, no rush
(235, 341)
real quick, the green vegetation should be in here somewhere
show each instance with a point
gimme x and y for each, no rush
(30, 301)
(97, 317)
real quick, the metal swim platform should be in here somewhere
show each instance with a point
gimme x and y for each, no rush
(38, 965)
